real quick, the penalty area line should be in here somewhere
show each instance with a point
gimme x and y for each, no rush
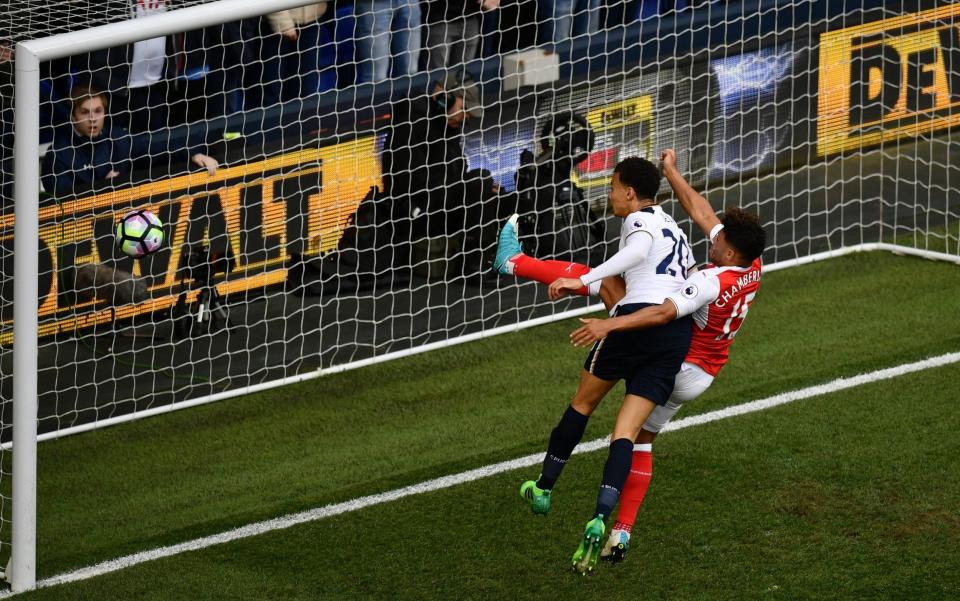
(335, 509)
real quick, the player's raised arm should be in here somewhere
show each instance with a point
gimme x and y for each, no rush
(696, 206)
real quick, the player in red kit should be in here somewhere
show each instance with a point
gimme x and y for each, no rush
(717, 296)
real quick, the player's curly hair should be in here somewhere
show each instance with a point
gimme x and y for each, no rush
(641, 175)
(743, 232)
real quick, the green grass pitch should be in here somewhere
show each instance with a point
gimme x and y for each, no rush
(851, 495)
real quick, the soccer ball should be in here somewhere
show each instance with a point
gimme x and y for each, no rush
(139, 233)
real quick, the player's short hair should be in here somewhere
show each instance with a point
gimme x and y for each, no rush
(641, 175)
(742, 231)
(80, 94)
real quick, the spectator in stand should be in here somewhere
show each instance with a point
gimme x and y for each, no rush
(453, 30)
(387, 38)
(138, 76)
(562, 19)
(293, 52)
(90, 154)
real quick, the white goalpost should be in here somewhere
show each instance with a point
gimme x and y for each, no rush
(290, 261)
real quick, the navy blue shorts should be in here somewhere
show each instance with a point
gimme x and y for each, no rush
(647, 360)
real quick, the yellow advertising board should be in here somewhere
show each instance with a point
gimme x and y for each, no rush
(621, 129)
(889, 79)
(256, 214)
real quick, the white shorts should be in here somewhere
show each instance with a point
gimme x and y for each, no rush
(690, 383)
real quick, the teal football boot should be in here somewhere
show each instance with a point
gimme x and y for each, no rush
(508, 246)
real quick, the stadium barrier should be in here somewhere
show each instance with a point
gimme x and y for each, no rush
(251, 213)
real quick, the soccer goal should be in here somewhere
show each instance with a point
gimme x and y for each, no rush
(203, 207)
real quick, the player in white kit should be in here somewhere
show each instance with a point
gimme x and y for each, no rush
(654, 260)
(718, 297)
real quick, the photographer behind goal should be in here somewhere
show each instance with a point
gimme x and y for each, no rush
(427, 179)
(552, 208)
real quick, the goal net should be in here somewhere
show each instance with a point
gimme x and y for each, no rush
(321, 203)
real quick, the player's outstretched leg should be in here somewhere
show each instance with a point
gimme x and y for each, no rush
(510, 260)
(508, 246)
(585, 557)
(538, 498)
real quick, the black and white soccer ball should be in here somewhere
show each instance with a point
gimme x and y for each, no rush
(139, 233)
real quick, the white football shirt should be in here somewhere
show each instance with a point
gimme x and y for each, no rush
(662, 270)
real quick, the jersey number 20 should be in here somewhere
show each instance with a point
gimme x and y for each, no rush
(675, 260)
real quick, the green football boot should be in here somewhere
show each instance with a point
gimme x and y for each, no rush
(586, 555)
(538, 498)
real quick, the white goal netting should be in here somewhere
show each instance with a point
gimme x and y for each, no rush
(322, 203)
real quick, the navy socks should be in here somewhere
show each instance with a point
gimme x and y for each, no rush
(563, 439)
(615, 474)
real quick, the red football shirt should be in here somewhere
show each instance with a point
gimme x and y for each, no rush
(719, 299)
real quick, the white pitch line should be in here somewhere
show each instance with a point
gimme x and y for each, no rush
(327, 511)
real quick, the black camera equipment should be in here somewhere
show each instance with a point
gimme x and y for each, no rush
(364, 258)
(208, 312)
(556, 220)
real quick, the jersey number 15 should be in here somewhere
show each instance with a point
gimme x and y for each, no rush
(739, 313)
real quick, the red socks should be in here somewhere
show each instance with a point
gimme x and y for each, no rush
(635, 488)
(547, 272)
